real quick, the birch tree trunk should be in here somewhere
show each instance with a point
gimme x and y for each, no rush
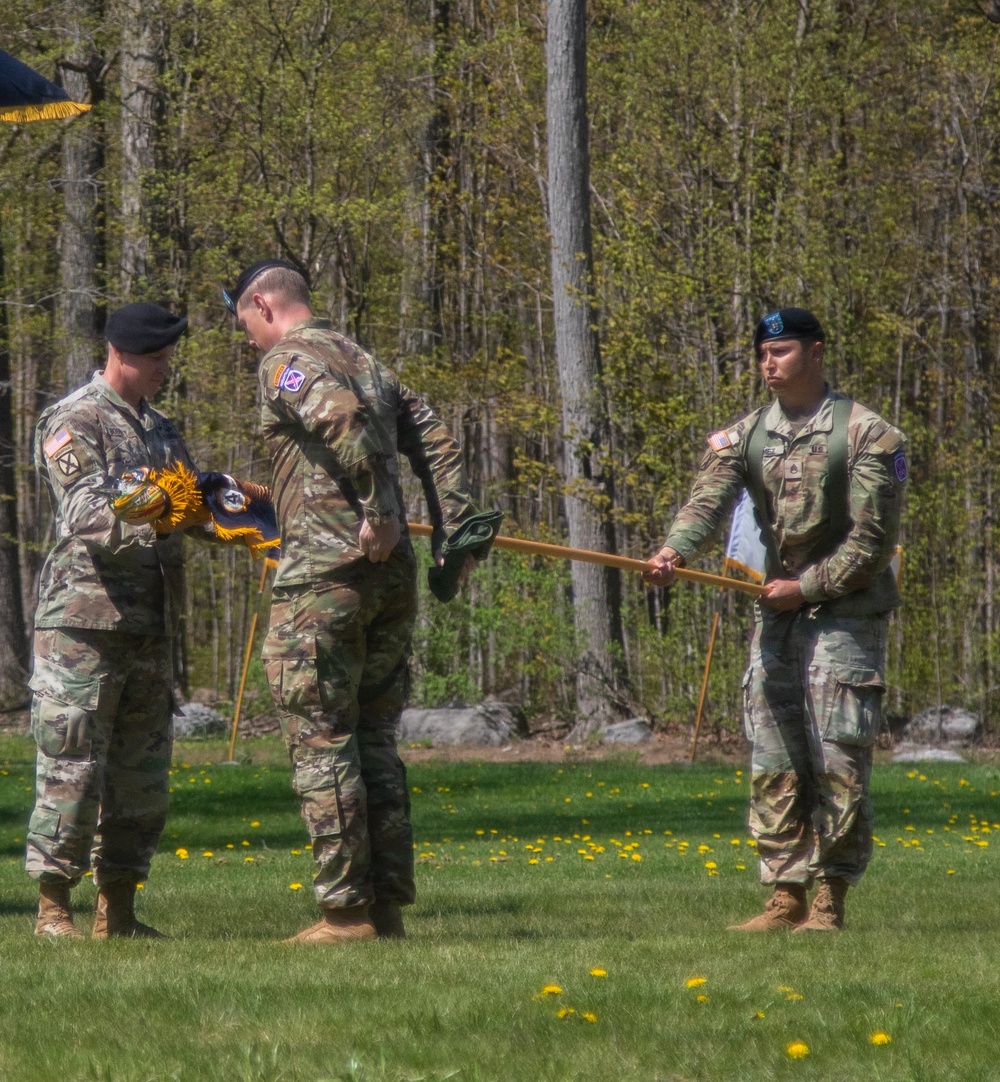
(141, 39)
(588, 492)
(81, 243)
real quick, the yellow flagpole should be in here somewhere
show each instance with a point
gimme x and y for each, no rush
(563, 552)
(246, 660)
(708, 669)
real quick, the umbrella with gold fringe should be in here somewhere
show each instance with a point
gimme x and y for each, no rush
(26, 96)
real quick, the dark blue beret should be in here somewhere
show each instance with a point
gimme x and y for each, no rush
(788, 323)
(232, 296)
(143, 328)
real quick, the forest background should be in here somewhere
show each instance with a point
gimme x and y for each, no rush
(745, 154)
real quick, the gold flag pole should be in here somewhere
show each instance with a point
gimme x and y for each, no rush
(708, 669)
(246, 660)
(563, 552)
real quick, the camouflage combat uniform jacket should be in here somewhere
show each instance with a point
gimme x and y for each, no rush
(854, 578)
(334, 420)
(102, 572)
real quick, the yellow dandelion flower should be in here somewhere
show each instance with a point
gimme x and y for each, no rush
(695, 982)
(248, 860)
(255, 823)
(550, 990)
(711, 865)
(565, 1012)
(880, 1038)
(759, 1014)
(597, 971)
(208, 853)
(797, 1049)
(589, 1016)
(294, 886)
(182, 853)
(795, 996)
(701, 999)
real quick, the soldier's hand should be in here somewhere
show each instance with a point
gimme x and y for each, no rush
(660, 568)
(784, 595)
(137, 500)
(378, 542)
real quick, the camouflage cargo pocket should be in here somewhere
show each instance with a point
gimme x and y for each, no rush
(317, 782)
(853, 712)
(44, 822)
(62, 709)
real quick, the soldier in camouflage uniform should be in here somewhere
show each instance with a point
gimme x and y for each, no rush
(813, 690)
(102, 671)
(344, 599)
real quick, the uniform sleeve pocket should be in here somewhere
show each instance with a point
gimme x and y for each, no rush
(854, 712)
(63, 708)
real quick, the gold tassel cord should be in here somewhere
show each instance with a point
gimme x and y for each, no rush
(186, 505)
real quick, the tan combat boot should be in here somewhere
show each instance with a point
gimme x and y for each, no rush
(388, 920)
(114, 914)
(338, 926)
(827, 913)
(785, 909)
(55, 917)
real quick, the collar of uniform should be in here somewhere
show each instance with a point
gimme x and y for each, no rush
(821, 421)
(116, 399)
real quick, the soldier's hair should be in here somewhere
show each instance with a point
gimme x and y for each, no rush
(288, 284)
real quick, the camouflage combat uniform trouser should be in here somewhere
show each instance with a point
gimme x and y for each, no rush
(100, 718)
(812, 708)
(336, 657)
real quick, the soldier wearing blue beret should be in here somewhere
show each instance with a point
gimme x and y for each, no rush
(826, 477)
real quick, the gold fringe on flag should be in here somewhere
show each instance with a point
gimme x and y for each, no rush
(53, 110)
(186, 505)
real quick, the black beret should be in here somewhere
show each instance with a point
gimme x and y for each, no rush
(232, 296)
(143, 328)
(788, 323)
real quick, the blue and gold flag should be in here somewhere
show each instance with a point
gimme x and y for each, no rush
(25, 95)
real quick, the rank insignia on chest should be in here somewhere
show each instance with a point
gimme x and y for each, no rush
(53, 446)
(289, 379)
(719, 441)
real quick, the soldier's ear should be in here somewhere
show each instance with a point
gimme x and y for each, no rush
(260, 302)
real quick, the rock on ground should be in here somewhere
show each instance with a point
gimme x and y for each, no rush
(912, 753)
(489, 725)
(632, 731)
(939, 725)
(196, 719)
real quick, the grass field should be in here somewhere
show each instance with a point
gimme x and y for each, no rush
(610, 881)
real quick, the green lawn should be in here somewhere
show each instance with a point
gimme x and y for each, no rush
(529, 875)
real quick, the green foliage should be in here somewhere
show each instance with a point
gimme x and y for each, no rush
(743, 156)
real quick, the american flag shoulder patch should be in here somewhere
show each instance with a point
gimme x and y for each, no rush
(720, 440)
(53, 446)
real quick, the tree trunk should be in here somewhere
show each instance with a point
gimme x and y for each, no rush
(13, 642)
(81, 237)
(588, 493)
(141, 39)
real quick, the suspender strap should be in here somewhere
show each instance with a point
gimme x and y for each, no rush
(838, 498)
(755, 486)
(837, 479)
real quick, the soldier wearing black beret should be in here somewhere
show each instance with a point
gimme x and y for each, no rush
(102, 675)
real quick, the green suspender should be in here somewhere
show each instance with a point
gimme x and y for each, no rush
(837, 486)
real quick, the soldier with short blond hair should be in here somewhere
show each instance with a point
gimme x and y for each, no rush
(826, 477)
(344, 600)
